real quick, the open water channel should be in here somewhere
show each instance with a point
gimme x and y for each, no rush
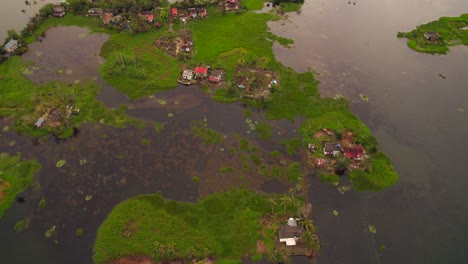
(420, 120)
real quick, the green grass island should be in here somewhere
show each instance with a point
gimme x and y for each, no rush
(15, 176)
(437, 36)
(225, 49)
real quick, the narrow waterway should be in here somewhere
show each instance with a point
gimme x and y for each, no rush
(420, 120)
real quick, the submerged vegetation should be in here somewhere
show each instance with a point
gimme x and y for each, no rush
(15, 176)
(437, 36)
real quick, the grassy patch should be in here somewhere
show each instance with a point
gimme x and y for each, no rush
(22, 225)
(291, 145)
(378, 176)
(253, 4)
(225, 96)
(264, 130)
(452, 30)
(15, 177)
(209, 136)
(329, 178)
(134, 66)
(290, 7)
(145, 226)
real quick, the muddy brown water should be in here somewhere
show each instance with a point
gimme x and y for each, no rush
(419, 119)
(106, 165)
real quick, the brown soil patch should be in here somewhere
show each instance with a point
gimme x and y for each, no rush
(261, 248)
(133, 260)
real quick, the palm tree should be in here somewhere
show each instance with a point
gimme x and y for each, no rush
(272, 202)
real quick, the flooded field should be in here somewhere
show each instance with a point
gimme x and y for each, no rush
(103, 165)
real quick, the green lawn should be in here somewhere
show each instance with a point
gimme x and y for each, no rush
(15, 177)
(225, 225)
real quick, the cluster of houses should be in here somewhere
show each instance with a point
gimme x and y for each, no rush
(334, 149)
(186, 14)
(200, 74)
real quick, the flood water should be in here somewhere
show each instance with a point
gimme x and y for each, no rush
(419, 119)
(414, 114)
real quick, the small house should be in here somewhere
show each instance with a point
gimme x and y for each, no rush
(231, 5)
(174, 12)
(95, 12)
(202, 12)
(201, 71)
(148, 16)
(11, 45)
(106, 18)
(216, 76)
(186, 77)
(290, 232)
(432, 36)
(331, 148)
(184, 16)
(116, 20)
(58, 11)
(39, 122)
(192, 12)
(354, 152)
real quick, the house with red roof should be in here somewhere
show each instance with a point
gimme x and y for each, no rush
(354, 152)
(216, 76)
(174, 12)
(201, 71)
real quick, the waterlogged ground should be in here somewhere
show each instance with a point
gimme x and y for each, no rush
(82, 178)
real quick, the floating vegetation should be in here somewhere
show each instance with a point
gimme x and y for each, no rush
(76, 81)
(170, 114)
(60, 163)
(50, 232)
(12, 143)
(460, 109)
(22, 225)
(82, 35)
(69, 71)
(364, 97)
(162, 102)
(383, 248)
(79, 232)
(59, 71)
(83, 161)
(5, 129)
(372, 229)
(176, 102)
(338, 96)
(38, 54)
(196, 179)
(26, 71)
(343, 189)
(42, 204)
(335, 213)
(208, 135)
(88, 197)
(145, 142)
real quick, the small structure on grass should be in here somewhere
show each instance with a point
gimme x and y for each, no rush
(354, 152)
(255, 83)
(290, 233)
(331, 148)
(231, 5)
(39, 122)
(11, 45)
(148, 16)
(187, 77)
(58, 11)
(216, 76)
(432, 36)
(192, 12)
(97, 12)
(106, 18)
(202, 12)
(201, 72)
(174, 12)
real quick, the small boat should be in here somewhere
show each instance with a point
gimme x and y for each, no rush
(441, 76)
